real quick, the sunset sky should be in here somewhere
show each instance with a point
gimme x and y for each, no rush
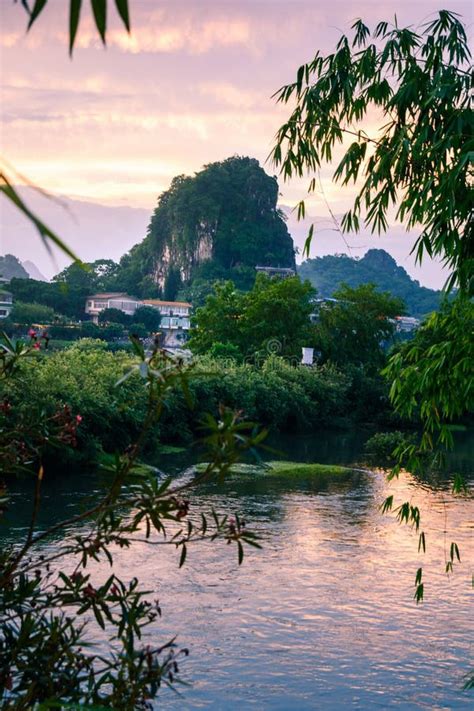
(191, 85)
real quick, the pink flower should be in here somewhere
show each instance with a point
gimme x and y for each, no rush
(78, 418)
(32, 333)
(37, 346)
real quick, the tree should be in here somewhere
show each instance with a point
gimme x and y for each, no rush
(355, 328)
(172, 284)
(276, 316)
(50, 600)
(432, 376)
(218, 321)
(377, 267)
(29, 314)
(417, 83)
(148, 317)
(115, 316)
(273, 318)
(55, 295)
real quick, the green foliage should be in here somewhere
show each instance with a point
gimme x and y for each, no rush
(99, 12)
(217, 224)
(139, 330)
(148, 317)
(51, 617)
(225, 351)
(380, 449)
(55, 295)
(29, 314)
(219, 320)
(432, 376)
(67, 293)
(377, 267)
(273, 318)
(418, 161)
(275, 393)
(10, 266)
(354, 329)
(115, 316)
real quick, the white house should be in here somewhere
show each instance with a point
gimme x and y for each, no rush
(6, 303)
(112, 300)
(175, 320)
(175, 315)
(406, 324)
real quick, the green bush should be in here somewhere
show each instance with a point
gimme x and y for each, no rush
(276, 394)
(380, 448)
(28, 314)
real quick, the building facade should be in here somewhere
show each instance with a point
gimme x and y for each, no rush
(175, 315)
(6, 303)
(175, 320)
(112, 300)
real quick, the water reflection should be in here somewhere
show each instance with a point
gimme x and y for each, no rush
(323, 617)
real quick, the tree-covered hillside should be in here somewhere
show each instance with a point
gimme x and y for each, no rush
(376, 267)
(11, 267)
(218, 224)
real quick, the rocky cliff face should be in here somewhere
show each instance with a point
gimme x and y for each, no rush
(223, 219)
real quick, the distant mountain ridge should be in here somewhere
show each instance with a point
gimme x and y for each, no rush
(376, 267)
(33, 271)
(11, 267)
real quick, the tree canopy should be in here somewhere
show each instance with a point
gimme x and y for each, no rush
(354, 329)
(273, 317)
(377, 267)
(416, 84)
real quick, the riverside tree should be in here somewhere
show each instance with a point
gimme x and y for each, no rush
(274, 317)
(416, 83)
(357, 327)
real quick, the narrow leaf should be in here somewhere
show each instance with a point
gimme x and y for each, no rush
(46, 234)
(99, 8)
(308, 241)
(74, 14)
(38, 7)
(122, 9)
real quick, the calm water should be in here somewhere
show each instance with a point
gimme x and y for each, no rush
(323, 616)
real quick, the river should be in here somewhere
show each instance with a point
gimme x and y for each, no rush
(323, 616)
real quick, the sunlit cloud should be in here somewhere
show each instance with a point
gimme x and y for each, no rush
(192, 84)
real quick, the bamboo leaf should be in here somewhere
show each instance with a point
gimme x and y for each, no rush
(74, 15)
(99, 8)
(37, 9)
(46, 234)
(122, 9)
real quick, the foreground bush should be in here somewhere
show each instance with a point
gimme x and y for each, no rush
(53, 603)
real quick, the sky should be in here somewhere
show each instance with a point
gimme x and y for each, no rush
(192, 84)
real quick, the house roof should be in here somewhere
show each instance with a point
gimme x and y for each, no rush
(112, 295)
(158, 302)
